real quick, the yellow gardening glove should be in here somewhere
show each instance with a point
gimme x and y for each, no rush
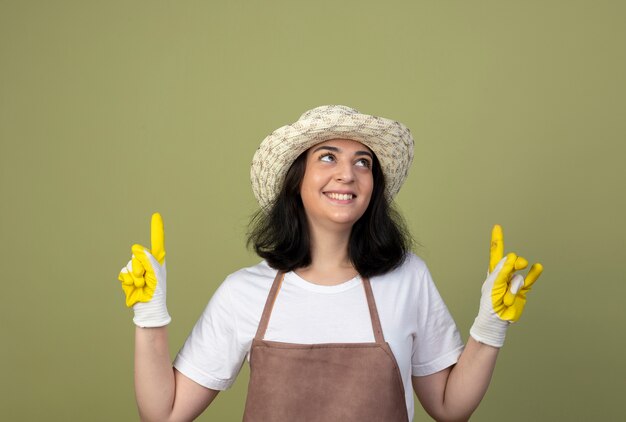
(503, 292)
(508, 296)
(144, 279)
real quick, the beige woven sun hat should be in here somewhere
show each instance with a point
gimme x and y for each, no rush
(391, 141)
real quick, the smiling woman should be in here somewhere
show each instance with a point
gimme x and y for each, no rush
(340, 321)
(337, 184)
(317, 182)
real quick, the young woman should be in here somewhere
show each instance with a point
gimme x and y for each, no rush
(340, 321)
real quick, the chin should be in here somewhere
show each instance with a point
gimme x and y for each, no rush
(345, 219)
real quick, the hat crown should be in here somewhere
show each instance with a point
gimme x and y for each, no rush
(325, 110)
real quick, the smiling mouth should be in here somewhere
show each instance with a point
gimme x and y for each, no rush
(340, 196)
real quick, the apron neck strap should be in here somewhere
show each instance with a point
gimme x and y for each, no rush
(271, 299)
(269, 305)
(371, 303)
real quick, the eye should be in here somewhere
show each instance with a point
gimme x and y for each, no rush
(364, 162)
(327, 157)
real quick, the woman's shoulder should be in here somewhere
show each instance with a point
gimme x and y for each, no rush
(411, 265)
(405, 286)
(260, 276)
(410, 274)
(244, 290)
(261, 268)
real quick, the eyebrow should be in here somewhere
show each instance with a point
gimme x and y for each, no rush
(335, 149)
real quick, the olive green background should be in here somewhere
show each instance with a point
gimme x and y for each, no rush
(112, 110)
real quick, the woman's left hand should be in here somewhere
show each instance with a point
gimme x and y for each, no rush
(503, 292)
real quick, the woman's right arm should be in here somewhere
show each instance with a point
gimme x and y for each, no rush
(163, 393)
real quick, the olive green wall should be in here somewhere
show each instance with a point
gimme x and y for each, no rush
(112, 110)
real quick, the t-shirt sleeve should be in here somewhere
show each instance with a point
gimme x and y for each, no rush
(437, 344)
(212, 355)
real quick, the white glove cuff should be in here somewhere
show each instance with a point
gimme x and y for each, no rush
(489, 329)
(154, 313)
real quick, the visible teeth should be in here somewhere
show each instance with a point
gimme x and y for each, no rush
(340, 196)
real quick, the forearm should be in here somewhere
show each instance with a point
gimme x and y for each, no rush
(162, 393)
(468, 380)
(154, 377)
(454, 393)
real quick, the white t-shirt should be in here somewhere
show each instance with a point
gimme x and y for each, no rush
(415, 322)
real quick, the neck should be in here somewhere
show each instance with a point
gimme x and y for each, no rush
(330, 263)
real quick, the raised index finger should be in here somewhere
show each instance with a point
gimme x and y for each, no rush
(496, 250)
(157, 238)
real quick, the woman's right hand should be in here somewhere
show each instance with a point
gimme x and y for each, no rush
(144, 279)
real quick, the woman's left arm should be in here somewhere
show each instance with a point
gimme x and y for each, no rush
(455, 392)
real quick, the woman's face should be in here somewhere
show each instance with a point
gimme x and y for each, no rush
(337, 183)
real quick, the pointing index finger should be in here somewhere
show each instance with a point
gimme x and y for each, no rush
(157, 238)
(496, 250)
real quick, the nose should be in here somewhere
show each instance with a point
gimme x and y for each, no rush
(345, 172)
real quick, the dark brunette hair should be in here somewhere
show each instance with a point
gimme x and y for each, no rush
(378, 243)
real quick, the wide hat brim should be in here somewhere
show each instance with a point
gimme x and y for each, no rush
(391, 141)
